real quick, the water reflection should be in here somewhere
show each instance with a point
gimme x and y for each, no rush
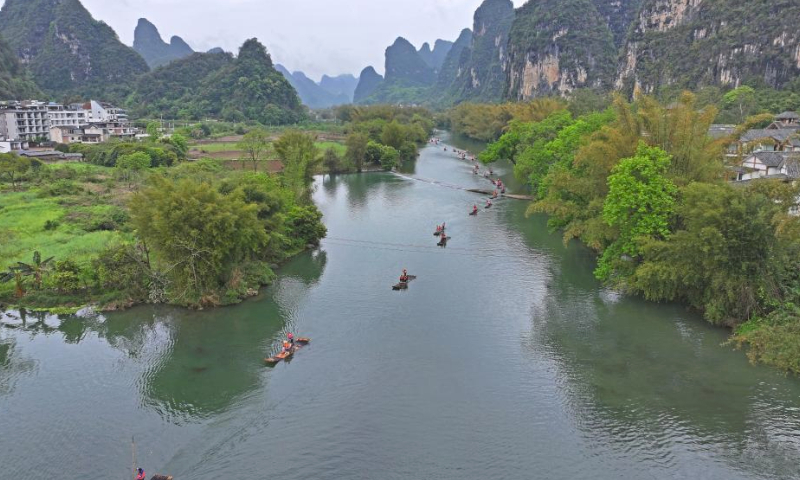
(12, 364)
(196, 364)
(650, 382)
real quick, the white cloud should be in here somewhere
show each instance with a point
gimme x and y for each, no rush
(316, 36)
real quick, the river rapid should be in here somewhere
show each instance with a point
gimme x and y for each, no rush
(504, 359)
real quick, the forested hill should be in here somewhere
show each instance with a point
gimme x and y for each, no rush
(553, 47)
(14, 80)
(556, 46)
(217, 85)
(67, 51)
(156, 52)
(679, 43)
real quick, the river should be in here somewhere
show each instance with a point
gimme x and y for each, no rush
(504, 359)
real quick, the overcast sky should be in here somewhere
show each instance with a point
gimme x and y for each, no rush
(315, 36)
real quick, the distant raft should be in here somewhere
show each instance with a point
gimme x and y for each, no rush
(298, 344)
(404, 285)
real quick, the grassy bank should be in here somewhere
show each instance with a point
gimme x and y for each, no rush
(126, 232)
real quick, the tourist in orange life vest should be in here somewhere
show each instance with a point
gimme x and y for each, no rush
(140, 475)
(404, 276)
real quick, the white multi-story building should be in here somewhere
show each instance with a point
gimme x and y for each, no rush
(24, 121)
(61, 116)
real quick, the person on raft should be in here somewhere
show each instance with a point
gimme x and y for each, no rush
(494, 195)
(404, 276)
(443, 226)
(290, 338)
(475, 209)
(140, 475)
(488, 202)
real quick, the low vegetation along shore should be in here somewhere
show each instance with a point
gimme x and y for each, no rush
(143, 222)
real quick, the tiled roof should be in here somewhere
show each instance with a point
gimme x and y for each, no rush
(788, 116)
(780, 135)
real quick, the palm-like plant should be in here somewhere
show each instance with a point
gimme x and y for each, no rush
(36, 269)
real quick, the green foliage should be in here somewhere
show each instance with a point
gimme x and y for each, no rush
(197, 232)
(254, 145)
(725, 259)
(217, 85)
(15, 82)
(774, 339)
(393, 134)
(13, 168)
(306, 225)
(301, 160)
(69, 52)
(639, 203)
(125, 268)
(390, 157)
(107, 154)
(357, 149)
(487, 122)
(132, 165)
(332, 162)
(66, 277)
(742, 100)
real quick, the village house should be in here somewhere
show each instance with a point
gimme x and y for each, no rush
(771, 152)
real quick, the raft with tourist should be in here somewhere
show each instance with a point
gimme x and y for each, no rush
(405, 278)
(290, 346)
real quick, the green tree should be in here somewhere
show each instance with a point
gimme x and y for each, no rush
(727, 258)
(394, 134)
(255, 145)
(199, 235)
(639, 203)
(390, 157)
(331, 161)
(180, 144)
(356, 149)
(742, 101)
(154, 131)
(374, 152)
(13, 168)
(300, 157)
(132, 165)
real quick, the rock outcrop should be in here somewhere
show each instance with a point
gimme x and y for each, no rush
(557, 46)
(481, 71)
(368, 82)
(691, 43)
(156, 52)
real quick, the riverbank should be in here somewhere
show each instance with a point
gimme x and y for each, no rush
(194, 234)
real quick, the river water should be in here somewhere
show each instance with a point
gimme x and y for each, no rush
(504, 359)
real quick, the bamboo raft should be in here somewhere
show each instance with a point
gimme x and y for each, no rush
(506, 195)
(298, 344)
(404, 285)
